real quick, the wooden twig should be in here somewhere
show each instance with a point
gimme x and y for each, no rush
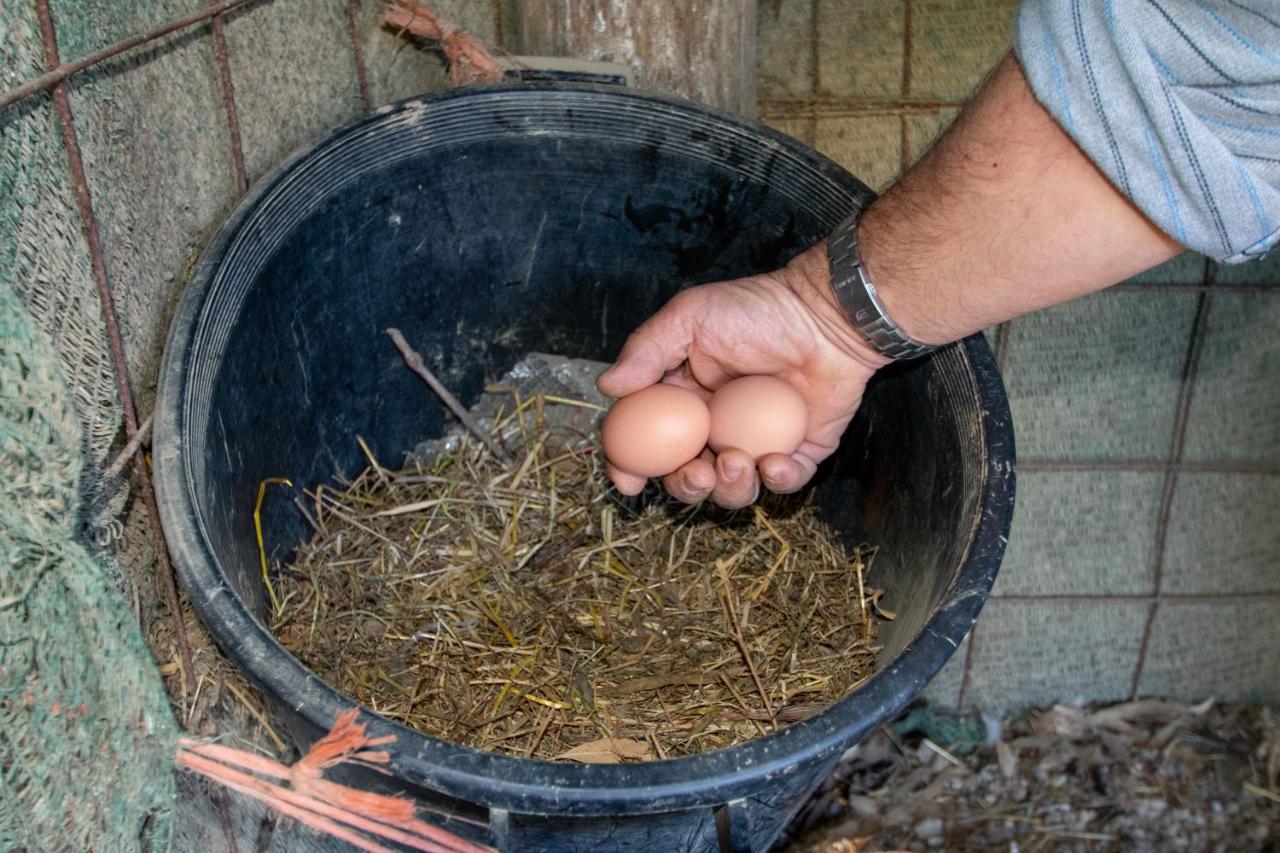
(415, 363)
(131, 447)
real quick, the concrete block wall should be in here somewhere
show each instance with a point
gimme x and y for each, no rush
(1145, 554)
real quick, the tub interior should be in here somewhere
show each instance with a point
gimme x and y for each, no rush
(484, 236)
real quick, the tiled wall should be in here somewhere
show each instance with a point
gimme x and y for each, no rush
(1145, 555)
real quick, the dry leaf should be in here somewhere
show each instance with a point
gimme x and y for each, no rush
(874, 597)
(1008, 759)
(608, 750)
(1122, 717)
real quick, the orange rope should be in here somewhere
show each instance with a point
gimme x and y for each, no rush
(469, 60)
(323, 805)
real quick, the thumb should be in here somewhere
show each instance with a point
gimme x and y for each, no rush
(660, 344)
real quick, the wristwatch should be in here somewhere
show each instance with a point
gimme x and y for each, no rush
(857, 296)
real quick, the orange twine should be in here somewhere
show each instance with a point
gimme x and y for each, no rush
(345, 813)
(469, 61)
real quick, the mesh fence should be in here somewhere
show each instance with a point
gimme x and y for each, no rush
(86, 734)
(43, 257)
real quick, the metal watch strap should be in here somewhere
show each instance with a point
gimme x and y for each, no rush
(858, 297)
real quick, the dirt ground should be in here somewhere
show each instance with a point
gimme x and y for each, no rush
(1145, 775)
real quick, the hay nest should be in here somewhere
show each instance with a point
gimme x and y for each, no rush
(527, 609)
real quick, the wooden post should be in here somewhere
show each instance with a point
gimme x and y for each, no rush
(704, 50)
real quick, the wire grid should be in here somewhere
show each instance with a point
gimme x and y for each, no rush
(75, 164)
(57, 71)
(80, 184)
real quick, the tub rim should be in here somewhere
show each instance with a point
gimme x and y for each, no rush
(526, 785)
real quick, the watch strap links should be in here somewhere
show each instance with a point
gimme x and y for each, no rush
(857, 296)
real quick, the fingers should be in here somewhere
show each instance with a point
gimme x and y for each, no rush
(786, 474)
(627, 484)
(730, 479)
(736, 482)
(693, 481)
(659, 345)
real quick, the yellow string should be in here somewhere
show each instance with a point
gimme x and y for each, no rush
(257, 529)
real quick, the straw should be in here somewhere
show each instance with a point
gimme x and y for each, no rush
(526, 609)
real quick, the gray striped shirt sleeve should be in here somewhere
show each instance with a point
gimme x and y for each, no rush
(1178, 102)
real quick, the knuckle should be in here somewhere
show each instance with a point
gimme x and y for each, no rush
(684, 301)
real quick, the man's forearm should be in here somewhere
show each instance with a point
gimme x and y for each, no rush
(1003, 216)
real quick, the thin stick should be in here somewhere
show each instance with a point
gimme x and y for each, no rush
(257, 715)
(742, 643)
(65, 69)
(131, 447)
(415, 363)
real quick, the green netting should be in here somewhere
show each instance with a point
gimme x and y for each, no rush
(86, 735)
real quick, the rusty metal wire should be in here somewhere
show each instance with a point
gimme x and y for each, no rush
(62, 70)
(84, 202)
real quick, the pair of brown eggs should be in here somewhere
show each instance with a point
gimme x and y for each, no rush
(655, 431)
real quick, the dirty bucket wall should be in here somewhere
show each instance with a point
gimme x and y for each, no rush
(1112, 520)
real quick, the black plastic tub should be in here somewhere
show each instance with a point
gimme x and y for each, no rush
(488, 223)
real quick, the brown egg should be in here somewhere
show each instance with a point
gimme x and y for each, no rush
(759, 415)
(654, 431)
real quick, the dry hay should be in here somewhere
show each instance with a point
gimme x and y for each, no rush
(527, 609)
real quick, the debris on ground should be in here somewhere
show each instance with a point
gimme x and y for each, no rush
(1142, 775)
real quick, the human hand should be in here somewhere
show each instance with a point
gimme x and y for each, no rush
(785, 324)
